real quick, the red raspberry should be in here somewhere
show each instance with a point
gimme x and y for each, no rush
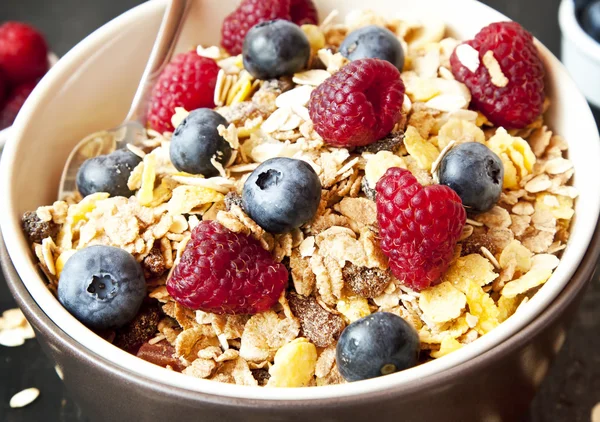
(23, 53)
(419, 227)
(249, 13)
(521, 101)
(304, 12)
(189, 82)
(359, 104)
(226, 273)
(3, 90)
(14, 102)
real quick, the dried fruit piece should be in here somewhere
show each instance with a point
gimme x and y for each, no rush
(366, 282)
(321, 327)
(36, 229)
(161, 354)
(154, 264)
(141, 329)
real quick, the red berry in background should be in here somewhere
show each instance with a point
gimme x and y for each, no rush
(521, 100)
(3, 90)
(304, 12)
(23, 53)
(14, 102)
(249, 13)
(359, 104)
(226, 273)
(419, 227)
(189, 82)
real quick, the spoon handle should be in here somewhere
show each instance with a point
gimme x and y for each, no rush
(162, 51)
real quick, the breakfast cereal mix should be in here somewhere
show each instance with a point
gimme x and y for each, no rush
(346, 252)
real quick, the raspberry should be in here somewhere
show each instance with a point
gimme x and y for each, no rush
(419, 227)
(226, 273)
(249, 13)
(23, 53)
(14, 102)
(189, 82)
(520, 102)
(359, 104)
(304, 12)
(3, 90)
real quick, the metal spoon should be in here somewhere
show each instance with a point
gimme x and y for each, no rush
(131, 131)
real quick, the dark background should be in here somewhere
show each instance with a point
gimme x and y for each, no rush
(568, 394)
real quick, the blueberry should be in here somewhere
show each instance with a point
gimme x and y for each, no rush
(275, 48)
(376, 345)
(196, 141)
(475, 173)
(282, 194)
(590, 20)
(373, 42)
(102, 286)
(107, 173)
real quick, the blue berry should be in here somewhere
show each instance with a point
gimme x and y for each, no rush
(282, 194)
(475, 173)
(376, 345)
(590, 20)
(196, 141)
(275, 48)
(107, 173)
(102, 286)
(373, 42)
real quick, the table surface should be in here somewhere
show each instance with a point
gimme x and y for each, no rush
(572, 386)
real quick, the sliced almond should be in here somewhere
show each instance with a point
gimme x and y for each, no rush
(313, 77)
(468, 56)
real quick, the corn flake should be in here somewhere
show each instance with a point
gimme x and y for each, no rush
(448, 345)
(516, 254)
(264, 333)
(473, 268)
(516, 149)
(442, 303)
(421, 150)
(481, 305)
(459, 131)
(535, 277)
(379, 163)
(294, 364)
(186, 198)
(353, 307)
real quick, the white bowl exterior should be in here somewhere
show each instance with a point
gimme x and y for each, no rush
(90, 89)
(580, 53)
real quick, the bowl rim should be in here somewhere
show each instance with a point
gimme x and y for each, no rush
(572, 30)
(27, 272)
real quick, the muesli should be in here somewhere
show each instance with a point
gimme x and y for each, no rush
(341, 262)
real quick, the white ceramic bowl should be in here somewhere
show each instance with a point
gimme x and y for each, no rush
(90, 89)
(5, 133)
(580, 53)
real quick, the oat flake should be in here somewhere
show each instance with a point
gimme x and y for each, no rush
(24, 398)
